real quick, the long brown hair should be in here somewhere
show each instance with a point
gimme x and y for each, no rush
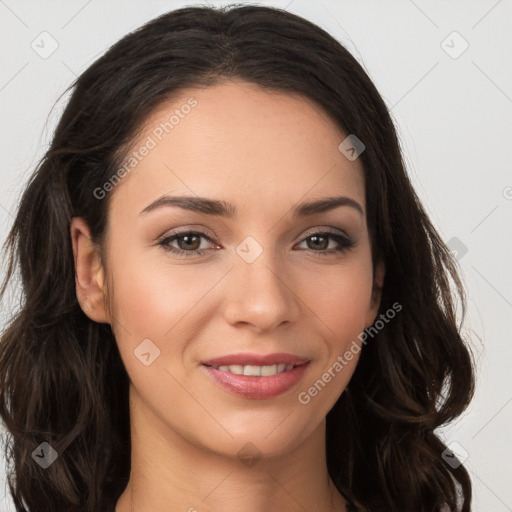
(62, 380)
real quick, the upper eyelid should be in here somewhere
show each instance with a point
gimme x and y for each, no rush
(308, 233)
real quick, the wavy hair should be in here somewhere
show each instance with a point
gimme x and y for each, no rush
(62, 380)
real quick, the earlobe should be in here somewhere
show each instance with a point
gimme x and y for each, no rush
(89, 272)
(378, 284)
(380, 273)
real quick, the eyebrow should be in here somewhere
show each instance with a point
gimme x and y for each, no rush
(224, 209)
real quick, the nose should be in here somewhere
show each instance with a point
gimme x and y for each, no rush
(261, 294)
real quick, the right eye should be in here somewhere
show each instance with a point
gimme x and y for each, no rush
(190, 238)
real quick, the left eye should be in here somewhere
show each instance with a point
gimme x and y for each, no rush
(189, 242)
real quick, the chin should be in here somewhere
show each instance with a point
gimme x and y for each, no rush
(271, 436)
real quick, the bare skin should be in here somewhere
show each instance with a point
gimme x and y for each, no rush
(264, 153)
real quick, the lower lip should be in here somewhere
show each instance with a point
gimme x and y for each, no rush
(248, 386)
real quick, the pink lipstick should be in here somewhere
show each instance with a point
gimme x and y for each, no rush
(256, 376)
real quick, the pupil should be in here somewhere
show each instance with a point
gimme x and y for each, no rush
(187, 237)
(315, 239)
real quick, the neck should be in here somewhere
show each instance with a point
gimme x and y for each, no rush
(169, 472)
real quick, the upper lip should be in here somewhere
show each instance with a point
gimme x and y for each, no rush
(245, 359)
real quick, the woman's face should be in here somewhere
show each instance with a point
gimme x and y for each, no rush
(263, 282)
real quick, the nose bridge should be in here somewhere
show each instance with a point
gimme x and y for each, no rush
(260, 294)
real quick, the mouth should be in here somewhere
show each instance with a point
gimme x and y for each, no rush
(255, 370)
(240, 375)
(252, 359)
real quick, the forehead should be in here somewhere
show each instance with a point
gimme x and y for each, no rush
(238, 142)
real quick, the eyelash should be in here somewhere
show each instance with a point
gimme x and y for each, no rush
(345, 242)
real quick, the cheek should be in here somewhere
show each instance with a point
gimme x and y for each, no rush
(156, 300)
(152, 298)
(166, 304)
(341, 298)
(340, 301)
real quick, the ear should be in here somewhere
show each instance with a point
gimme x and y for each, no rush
(89, 273)
(378, 283)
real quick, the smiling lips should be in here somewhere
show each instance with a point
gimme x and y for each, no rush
(256, 376)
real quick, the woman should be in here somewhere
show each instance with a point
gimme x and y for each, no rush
(233, 296)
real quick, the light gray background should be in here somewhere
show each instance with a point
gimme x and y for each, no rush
(453, 114)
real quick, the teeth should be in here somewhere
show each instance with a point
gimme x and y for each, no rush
(256, 371)
(269, 370)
